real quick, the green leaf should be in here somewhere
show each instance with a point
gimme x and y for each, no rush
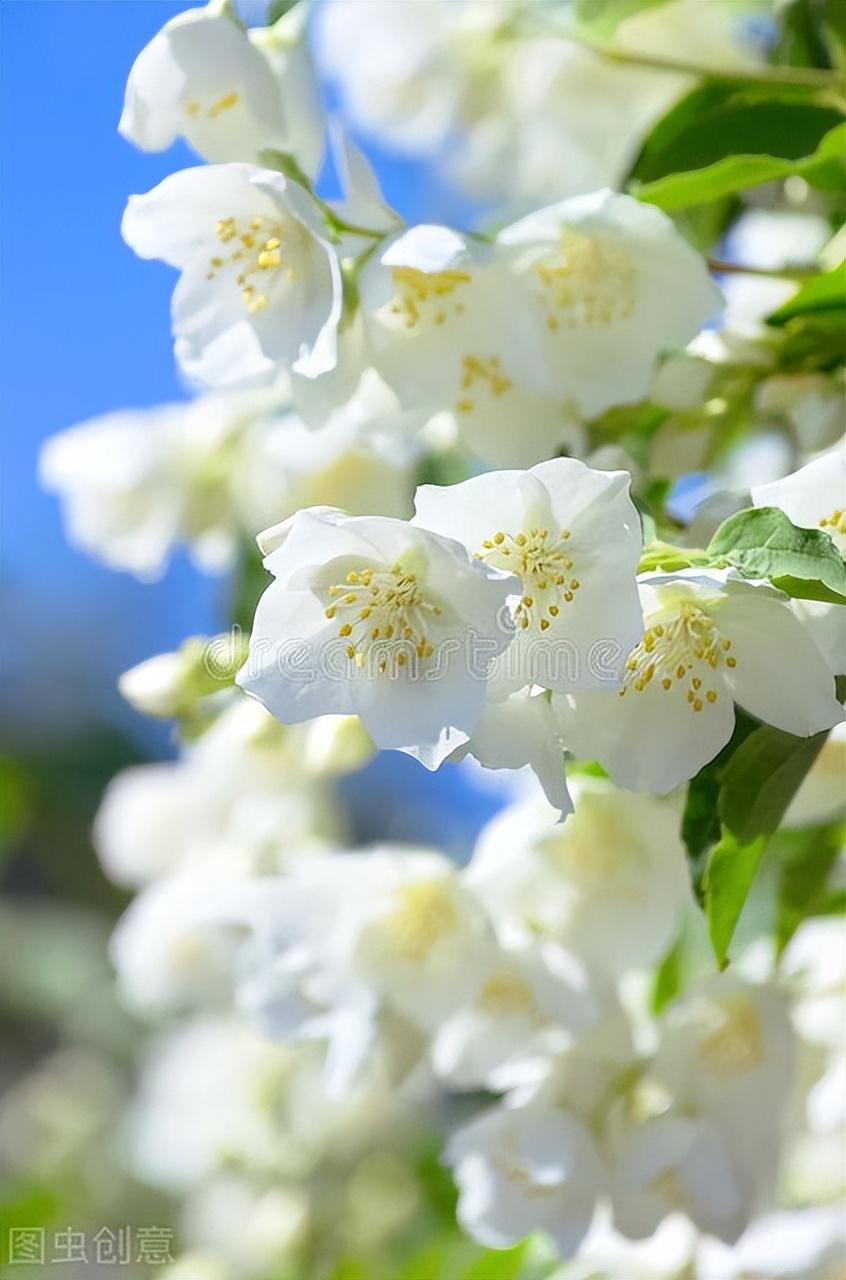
(498, 1264)
(277, 9)
(667, 983)
(825, 292)
(700, 821)
(805, 860)
(762, 778)
(736, 172)
(731, 870)
(718, 123)
(762, 543)
(807, 589)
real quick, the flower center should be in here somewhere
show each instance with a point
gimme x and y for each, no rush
(424, 917)
(736, 1045)
(483, 375)
(382, 610)
(589, 283)
(426, 295)
(506, 994)
(541, 560)
(256, 253)
(835, 524)
(226, 102)
(686, 650)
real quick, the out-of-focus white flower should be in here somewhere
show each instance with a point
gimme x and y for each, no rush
(727, 1050)
(813, 497)
(345, 935)
(677, 1164)
(172, 951)
(522, 116)
(526, 1169)
(519, 731)
(360, 459)
(208, 1097)
(228, 91)
(572, 536)
(810, 402)
(239, 800)
(587, 881)
(796, 1244)
(133, 484)
(426, 938)
(248, 1228)
(612, 284)
(260, 289)
(395, 67)
(528, 1004)
(711, 640)
(375, 617)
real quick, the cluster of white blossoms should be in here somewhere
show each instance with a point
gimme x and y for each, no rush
(492, 86)
(447, 446)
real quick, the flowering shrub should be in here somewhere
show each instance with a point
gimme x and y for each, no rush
(511, 504)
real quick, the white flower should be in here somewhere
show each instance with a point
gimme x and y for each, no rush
(789, 1244)
(522, 1170)
(238, 800)
(676, 1164)
(612, 284)
(133, 484)
(814, 497)
(260, 287)
(172, 949)
(426, 939)
(528, 1004)
(345, 935)
(727, 1050)
(588, 881)
(361, 459)
(229, 92)
(519, 731)
(434, 322)
(203, 1101)
(375, 617)
(711, 640)
(450, 329)
(394, 66)
(572, 536)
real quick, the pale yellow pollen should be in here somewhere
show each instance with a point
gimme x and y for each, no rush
(736, 1046)
(507, 994)
(422, 294)
(589, 282)
(481, 373)
(226, 103)
(690, 643)
(835, 523)
(425, 916)
(397, 613)
(537, 556)
(260, 252)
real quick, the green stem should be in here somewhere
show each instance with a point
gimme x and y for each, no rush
(768, 273)
(808, 77)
